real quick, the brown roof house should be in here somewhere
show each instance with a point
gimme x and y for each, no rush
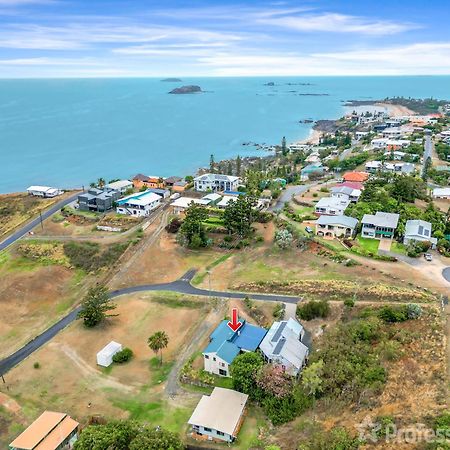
(140, 181)
(50, 431)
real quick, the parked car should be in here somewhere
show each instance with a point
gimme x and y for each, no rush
(428, 257)
(309, 230)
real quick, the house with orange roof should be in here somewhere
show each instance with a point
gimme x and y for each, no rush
(140, 181)
(50, 431)
(358, 177)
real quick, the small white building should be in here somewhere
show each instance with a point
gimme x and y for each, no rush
(346, 193)
(443, 193)
(121, 185)
(216, 182)
(331, 206)
(225, 201)
(418, 230)
(44, 191)
(220, 415)
(105, 355)
(139, 205)
(182, 203)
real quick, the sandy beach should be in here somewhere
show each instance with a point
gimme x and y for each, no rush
(313, 138)
(396, 110)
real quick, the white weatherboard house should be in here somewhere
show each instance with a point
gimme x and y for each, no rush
(141, 204)
(120, 185)
(331, 206)
(346, 193)
(418, 230)
(182, 203)
(336, 226)
(380, 225)
(216, 182)
(219, 416)
(44, 191)
(283, 346)
(443, 193)
(105, 355)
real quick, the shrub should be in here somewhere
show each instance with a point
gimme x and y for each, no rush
(392, 314)
(123, 356)
(283, 238)
(349, 302)
(278, 311)
(36, 365)
(174, 225)
(313, 309)
(413, 311)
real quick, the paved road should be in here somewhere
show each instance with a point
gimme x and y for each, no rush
(35, 222)
(287, 194)
(446, 274)
(428, 150)
(182, 286)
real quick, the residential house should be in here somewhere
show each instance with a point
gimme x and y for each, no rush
(352, 184)
(212, 198)
(170, 181)
(373, 166)
(180, 205)
(380, 225)
(140, 181)
(395, 155)
(50, 431)
(358, 177)
(44, 191)
(346, 193)
(179, 186)
(219, 416)
(225, 200)
(336, 226)
(331, 206)
(418, 230)
(225, 344)
(443, 193)
(139, 205)
(392, 133)
(310, 169)
(283, 346)
(360, 134)
(121, 185)
(216, 182)
(163, 193)
(98, 200)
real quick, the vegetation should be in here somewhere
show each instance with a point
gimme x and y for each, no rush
(95, 306)
(123, 356)
(192, 232)
(157, 342)
(313, 309)
(127, 435)
(284, 238)
(239, 216)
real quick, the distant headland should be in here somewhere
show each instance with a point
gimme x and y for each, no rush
(172, 80)
(191, 89)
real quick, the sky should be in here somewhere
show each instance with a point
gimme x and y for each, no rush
(144, 38)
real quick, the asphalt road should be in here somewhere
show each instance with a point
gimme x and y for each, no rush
(182, 286)
(428, 151)
(35, 222)
(446, 274)
(286, 195)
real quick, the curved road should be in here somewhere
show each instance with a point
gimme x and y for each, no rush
(35, 222)
(182, 286)
(446, 274)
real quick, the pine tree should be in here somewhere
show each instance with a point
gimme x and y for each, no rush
(212, 164)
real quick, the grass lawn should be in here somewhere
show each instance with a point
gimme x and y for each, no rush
(248, 435)
(370, 245)
(397, 247)
(200, 277)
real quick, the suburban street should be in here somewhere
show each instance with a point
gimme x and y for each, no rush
(428, 151)
(22, 231)
(287, 194)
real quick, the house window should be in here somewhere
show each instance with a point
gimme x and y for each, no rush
(222, 372)
(206, 356)
(219, 433)
(207, 429)
(214, 358)
(222, 364)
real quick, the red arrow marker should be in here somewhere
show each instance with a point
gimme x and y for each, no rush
(235, 324)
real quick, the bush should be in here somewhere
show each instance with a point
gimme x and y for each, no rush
(392, 314)
(123, 356)
(36, 365)
(174, 225)
(284, 239)
(349, 302)
(313, 309)
(413, 311)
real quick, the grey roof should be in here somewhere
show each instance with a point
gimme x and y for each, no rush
(346, 221)
(381, 219)
(418, 227)
(216, 177)
(342, 190)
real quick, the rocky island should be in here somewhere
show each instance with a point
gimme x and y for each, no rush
(191, 89)
(172, 80)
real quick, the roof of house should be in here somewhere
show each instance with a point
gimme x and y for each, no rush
(173, 179)
(332, 202)
(225, 200)
(47, 432)
(216, 177)
(418, 227)
(381, 219)
(141, 177)
(121, 184)
(346, 190)
(283, 340)
(140, 199)
(346, 221)
(111, 348)
(222, 410)
(355, 176)
(228, 343)
(213, 197)
(352, 184)
(441, 191)
(185, 202)
(41, 189)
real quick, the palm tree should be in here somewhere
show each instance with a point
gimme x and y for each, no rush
(158, 341)
(101, 182)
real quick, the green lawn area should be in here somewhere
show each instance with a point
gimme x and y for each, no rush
(159, 373)
(370, 245)
(248, 436)
(397, 247)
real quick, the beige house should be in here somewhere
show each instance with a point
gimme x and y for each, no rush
(336, 226)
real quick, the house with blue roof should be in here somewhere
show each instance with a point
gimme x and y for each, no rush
(225, 344)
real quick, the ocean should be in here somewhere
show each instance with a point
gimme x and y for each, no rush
(69, 132)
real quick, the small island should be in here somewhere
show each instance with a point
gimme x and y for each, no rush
(191, 89)
(172, 80)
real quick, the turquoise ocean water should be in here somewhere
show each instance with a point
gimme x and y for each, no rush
(67, 133)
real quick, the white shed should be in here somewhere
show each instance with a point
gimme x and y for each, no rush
(105, 355)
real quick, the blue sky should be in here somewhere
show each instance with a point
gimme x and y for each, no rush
(107, 38)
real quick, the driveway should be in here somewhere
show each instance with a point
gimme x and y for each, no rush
(287, 194)
(385, 245)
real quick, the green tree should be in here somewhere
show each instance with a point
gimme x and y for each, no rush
(312, 378)
(212, 164)
(238, 166)
(192, 229)
(156, 439)
(157, 342)
(95, 306)
(284, 149)
(244, 370)
(239, 215)
(101, 182)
